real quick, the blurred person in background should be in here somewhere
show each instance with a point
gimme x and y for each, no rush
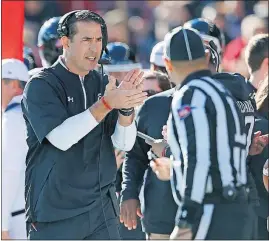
(141, 190)
(257, 62)
(29, 58)
(257, 58)
(116, 26)
(156, 82)
(122, 59)
(36, 13)
(49, 44)
(257, 161)
(14, 149)
(234, 58)
(156, 58)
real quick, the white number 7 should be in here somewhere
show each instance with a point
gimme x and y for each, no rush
(249, 120)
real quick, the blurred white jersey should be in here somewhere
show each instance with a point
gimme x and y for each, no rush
(14, 150)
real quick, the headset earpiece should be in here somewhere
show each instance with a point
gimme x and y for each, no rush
(63, 28)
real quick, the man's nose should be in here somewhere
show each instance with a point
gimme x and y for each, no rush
(93, 46)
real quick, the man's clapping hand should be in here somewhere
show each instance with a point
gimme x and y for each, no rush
(132, 80)
(119, 98)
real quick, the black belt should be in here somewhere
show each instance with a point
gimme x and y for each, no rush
(19, 212)
(217, 197)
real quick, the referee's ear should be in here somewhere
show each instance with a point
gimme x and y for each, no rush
(207, 55)
(168, 64)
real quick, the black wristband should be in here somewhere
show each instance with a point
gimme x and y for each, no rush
(127, 112)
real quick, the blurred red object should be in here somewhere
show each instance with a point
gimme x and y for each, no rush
(12, 29)
(233, 57)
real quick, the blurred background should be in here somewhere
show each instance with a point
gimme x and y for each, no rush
(141, 24)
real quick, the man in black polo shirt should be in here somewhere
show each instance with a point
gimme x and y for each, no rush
(71, 131)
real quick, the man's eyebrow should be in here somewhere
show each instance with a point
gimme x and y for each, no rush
(89, 38)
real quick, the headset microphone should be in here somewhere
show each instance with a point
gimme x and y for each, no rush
(105, 60)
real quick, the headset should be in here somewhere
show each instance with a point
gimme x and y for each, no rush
(64, 31)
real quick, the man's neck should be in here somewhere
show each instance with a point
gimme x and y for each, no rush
(180, 76)
(70, 67)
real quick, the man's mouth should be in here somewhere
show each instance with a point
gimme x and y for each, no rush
(91, 58)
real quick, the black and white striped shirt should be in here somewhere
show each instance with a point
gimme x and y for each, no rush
(207, 138)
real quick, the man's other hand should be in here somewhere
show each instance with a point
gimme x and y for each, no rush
(129, 210)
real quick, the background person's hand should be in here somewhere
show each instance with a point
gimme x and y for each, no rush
(129, 210)
(258, 143)
(161, 167)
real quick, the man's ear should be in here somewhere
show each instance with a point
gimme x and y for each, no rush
(265, 66)
(65, 42)
(168, 64)
(207, 55)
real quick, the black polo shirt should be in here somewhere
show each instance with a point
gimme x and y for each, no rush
(61, 184)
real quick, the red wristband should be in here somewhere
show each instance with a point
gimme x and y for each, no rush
(163, 152)
(105, 103)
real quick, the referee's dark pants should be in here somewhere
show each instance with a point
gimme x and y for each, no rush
(223, 219)
(97, 224)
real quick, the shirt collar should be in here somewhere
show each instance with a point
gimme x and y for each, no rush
(60, 59)
(195, 75)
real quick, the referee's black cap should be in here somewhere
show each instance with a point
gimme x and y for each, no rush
(182, 44)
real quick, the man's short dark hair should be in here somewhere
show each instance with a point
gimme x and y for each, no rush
(81, 16)
(257, 51)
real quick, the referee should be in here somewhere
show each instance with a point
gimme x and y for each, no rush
(207, 138)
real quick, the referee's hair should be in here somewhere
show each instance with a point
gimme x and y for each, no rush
(262, 96)
(256, 51)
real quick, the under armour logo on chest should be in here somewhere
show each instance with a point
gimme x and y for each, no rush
(70, 99)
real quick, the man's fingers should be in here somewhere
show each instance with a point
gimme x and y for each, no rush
(131, 219)
(134, 76)
(122, 214)
(111, 82)
(128, 76)
(139, 213)
(138, 79)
